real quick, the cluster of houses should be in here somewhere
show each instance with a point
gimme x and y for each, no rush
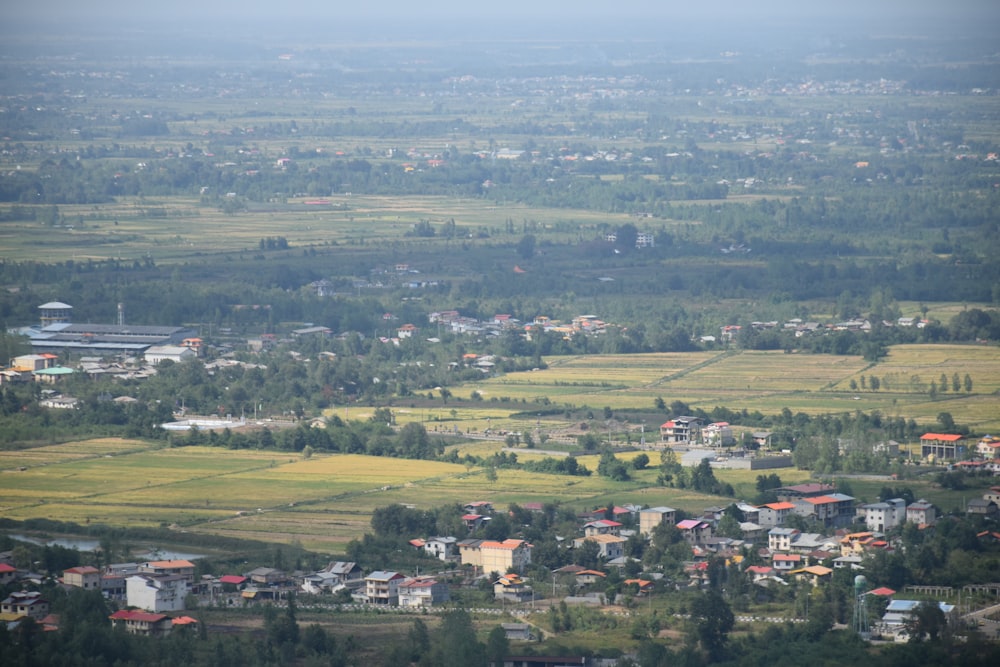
(800, 327)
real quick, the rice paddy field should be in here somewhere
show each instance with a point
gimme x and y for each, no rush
(182, 229)
(324, 501)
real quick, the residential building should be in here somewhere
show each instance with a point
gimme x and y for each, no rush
(718, 434)
(680, 430)
(982, 507)
(774, 514)
(650, 518)
(507, 556)
(786, 562)
(513, 588)
(26, 603)
(815, 574)
(988, 447)
(422, 592)
(695, 531)
(142, 623)
(883, 516)
(602, 527)
(920, 512)
(468, 552)
(84, 576)
(780, 539)
(383, 587)
(7, 573)
(442, 548)
(184, 568)
(807, 490)
(609, 547)
(267, 576)
(157, 592)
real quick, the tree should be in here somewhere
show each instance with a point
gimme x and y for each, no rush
(713, 621)
(526, 246)
(640, 462)
(968, 383)
(926, 620)
(497, 646)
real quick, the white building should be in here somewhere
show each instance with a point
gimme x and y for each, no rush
(156, 593)
(880, 517)
(420, 592)
(175, 353)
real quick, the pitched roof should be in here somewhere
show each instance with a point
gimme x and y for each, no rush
(942, 437)
(169, 564)
(140, 616)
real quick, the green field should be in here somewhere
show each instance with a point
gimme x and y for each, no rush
(757, 381)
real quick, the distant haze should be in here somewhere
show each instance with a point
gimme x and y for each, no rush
(883, 12)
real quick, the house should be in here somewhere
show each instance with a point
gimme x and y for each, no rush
(774, 514)
(680, 430)
(442, 548)
(344, 572)
(834, 509)
(7, 573)
(422, 592)
(988, 447)
(468, 552)
(513, 588)
(718, 434)
(407, 331)
(695, 531)
(993, 494)
(232, 582)
(84, 576)
(142, 623)
(510, 555)
(643, 586)
(815, 574)
(184, 568)
(937, 446)
(982, 507)
(808, 490)
(602, 527)
(586, 577)
(920, 512)
(852, 562)
(473, 521)
(481, 507)
(780, 539)
(650, 518)
(26, 603)
(383, 587)
(880, 517)
(785, 562)
(609, 547)
(854, 544)
(760, 572)
(762, 439)
(157, 592)
(267, 576)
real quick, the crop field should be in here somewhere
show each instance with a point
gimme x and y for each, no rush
(23, 458)
(179, 229)
(321, 502)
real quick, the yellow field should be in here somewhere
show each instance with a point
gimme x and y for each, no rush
(322, 502)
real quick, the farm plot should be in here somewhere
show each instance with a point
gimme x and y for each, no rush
(772, 371)
(39, 456)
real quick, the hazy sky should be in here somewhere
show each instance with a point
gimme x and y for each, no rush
(526, 9)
